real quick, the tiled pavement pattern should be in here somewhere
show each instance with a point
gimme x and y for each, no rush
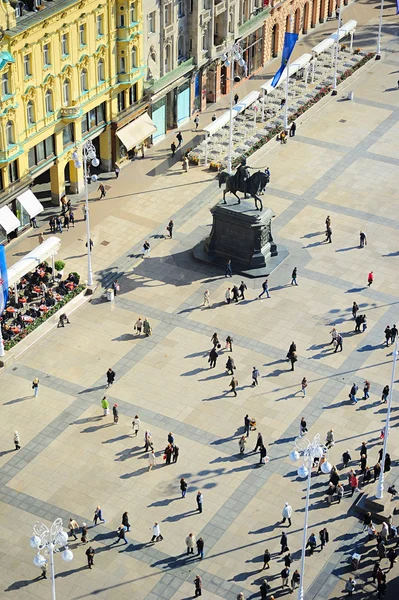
(69, 461)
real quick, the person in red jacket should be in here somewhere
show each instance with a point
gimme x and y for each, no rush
(370, 278)
(354, 483)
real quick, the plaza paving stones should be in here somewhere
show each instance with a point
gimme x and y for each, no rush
(73, 458)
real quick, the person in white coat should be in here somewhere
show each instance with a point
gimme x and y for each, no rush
(156, 533)
(190, 543)
(136, 425)
(152, 461)
(287, 512)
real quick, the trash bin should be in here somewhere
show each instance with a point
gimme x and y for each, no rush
(110, 294)
(351, 95)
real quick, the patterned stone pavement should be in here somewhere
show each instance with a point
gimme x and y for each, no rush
(343, 162)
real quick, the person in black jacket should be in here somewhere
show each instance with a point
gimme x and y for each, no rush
(125, 521)
(110, 377)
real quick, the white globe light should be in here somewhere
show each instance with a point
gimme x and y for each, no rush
(242, 63)
(75, 156)
(95, 162)
(94, 178)
(34, 541)
(226, 63)
(62, 538)
(91, 154)
(78, 164)
(318, 452)
(67, 555)
(39, 560)
(303, 472)
(326, 467)
(294, 455)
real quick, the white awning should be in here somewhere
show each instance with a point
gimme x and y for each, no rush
(323, 46)
(295, 66)
(8, 220)
(30, 203)
(330, 41)
(237, 109)
(137, 131)
(29, 262)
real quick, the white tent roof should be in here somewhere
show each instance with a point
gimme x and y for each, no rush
(330, 41)
(30, 203)
(8, 220)
(34, 258)
(295, 66)
(136, 131)
(237, 109)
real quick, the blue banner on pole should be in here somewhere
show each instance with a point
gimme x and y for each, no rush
(397, 7)
(290, 39)
(3, 280)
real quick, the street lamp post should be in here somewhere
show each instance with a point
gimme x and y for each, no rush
(88, 155)
(380, 485)
(378, 55)
(310, 451)
(334, 91)
(232, 54)
(49, 541)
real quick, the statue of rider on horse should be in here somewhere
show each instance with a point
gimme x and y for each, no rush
(242, 181)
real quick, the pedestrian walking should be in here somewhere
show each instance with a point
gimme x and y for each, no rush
(207, 301)
(330, 441)
(146, 249)
(227, 296)
(329, 235)
(294, 276)
(148, 441)
(354, 483)
(200, 500)
(90, 556)
(116, 287)
(243, 288)
(255, 375)
(247, 425)
(323, 537)
(339, 342)
(229, 343)
(291, 349)
(241, 444)
(362, 239)
(198, 586)
(350, 586)
(370, 278)
(121, 531)
(284, 543)
(105, 406)
(190, 543)
(311, 543)
(259, 441)
(262, 455)
(293, 129)
(196, 121)
(183, 487)
(179, 138)
(233, 384)
(387, 333)
(73, 527)
(394, 333)
(136, 425)
(213, 356)
(156, 533)
(229, 270)
(235, 293)
(35, 387)
(376, 471)
(287, 513)
(355, 308)
(236, 98)
(98, 516)
(295, 580)
(168, 454)
(304, 385)
(43, 568)
(17, 441)
(266, 560)
(265, 288)
(385, 394)
(303, 427)
(110, 377)
(214, 117)
(285, 573)
(169, 228)
(230, 365)
(91, 244)
(264, 588)
(346, 457)
(340, 492)
(366, 390)
(116, 171)
(293, 359)
(152, 461)
(175, 453)
(138, 326)
(115, 413)
(101, 188)
(173, 148)
(200, 547)
(215, 340)
(391, 556)
(125, 521)
(147, 330)
(353, 392)
(381, 589)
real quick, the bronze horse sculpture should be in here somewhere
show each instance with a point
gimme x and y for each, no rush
(248, 185)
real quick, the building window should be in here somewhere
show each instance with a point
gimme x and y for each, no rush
(191, 6)
(10, 133)
(100, 70)
(180, 47)
(93, 118)
(41, 152)
(1, 180)
(83, 81)
(180, 8)
(133, 94)
(151, 22)
(19, 9)
(167, 13)
(82, 34)
(5, 87)
(13, 171)
(66, 92)
(231, 23)
(30, 113)
(133, 13)
(99, 25)
(121, 101)
(122, 63)
(167, 59)
(121, 20)
(134, 57)
(204, 42)
(27, 65)
(67, 134)
(64, 44)
(46, 55)
(49, 102)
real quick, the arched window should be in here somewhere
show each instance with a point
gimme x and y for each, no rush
(48, 98)
(83, 81)
(30, 113)
(134, 57)
(100, 70)
(10, 133)
(66, 92)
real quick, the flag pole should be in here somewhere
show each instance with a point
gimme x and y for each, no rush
(2, 351)
(286, 85)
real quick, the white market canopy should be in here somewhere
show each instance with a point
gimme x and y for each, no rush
(137, 131)
(30, 203)
(295, 66)
(8, 220)
(29, 262)
(237, 109)
(330, 41)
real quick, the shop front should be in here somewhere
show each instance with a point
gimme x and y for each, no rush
(252, 47)
(16, 216)
(134, 136)
(159, 119)
(183, 103)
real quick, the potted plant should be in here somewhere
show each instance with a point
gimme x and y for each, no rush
(59, 267)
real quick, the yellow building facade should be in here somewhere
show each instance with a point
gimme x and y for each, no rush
(70, 71)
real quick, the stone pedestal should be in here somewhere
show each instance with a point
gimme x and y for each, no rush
(380, 508)
(244, 235)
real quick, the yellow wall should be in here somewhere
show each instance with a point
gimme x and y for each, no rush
(115, 41)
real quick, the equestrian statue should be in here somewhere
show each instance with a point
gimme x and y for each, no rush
(242, 181)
